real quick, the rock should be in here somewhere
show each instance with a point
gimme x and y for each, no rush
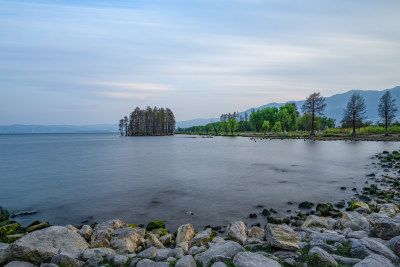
(226, 249)
(153, 225)
(19, 264)
(315, 221)
(72, 228)
(196, 250)
(4, 214)
(166, 239)
(344, 260)
(281, 236)
(326, 247)
(257, 232)
(185, 233)
(48, 265)
(289, 262)
(361, 248)
(12, 238)
(184, 246)
(386, 228)
(120, 260)
(219, 264)
(133, 262)
(162, 254)
(354, 221)
(266, 212)
(389, 209)
(127, 240)
(102, 233)
(357, 234)
(237, 231)
(149, 253)
(149, 263)
(38, 227)
(218, 239)
(9, 229)
(177, 253)
(86, 232)
(202, 238)
(249, 259)
(324, 209)
(392, 242)
(306, 205)
(5, 253)
(40, 246)
(65, 260)
(87, 254)
(95, 261)
(328, 236)
(283, 254)
(171, 259)
(152, 241)
(324, 256)
(253, 241)
(374, 260)
(186, 261)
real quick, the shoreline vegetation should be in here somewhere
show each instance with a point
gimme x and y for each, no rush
(361, 231)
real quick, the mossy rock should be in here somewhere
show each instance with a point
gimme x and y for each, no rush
(358, 204)
(306, 205)
(159, 232)
(213, 235)
(7, 222)
(132, 225)
(34, 223)
(12, 238)
(39, 226)
(9, 229)
(153, 225)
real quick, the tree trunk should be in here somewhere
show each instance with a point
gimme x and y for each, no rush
(312, 124)
(386, 125)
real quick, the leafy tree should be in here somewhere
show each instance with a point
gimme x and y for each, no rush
(232, 124)
(277, 128)
(327, 123)
(288, 117)
(354, 111)
(265, 126)
(387, 109)
(314, 105)
(256, 120)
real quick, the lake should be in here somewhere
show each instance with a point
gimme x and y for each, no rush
(75, 178)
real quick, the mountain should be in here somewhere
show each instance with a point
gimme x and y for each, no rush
(334, 106)
(37, 129)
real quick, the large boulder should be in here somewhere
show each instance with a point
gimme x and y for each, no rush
(226, 249)
(237, 231)
(86, 232)
(40, 246)
(257, 232)
(65, 260)
(389, 209)
(386, 228)
(5, 253)
(361, 248)
(102, 233)
(249, 259)
(323, 256)
(127, 240)
(186, 261)
(202, 238)
(150, 263)
(152, 241)
(354, 220)
(315, 221)
(185, 233)
(87, 254)
(281, 236)
(374, 260)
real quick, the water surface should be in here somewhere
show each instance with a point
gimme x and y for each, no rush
(72, 178)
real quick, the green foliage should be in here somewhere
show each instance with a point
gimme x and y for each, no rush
(232, 124)
(277, 128)
(229, 263)
(343, 251)
(265, 126)
(153, 225)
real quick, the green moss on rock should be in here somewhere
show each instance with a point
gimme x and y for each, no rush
(153, 225)
(12, 238)
(9, 229)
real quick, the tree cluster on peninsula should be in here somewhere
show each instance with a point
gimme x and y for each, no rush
(150, 121)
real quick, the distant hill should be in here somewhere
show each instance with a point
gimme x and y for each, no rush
(334, 107)
(37, 129)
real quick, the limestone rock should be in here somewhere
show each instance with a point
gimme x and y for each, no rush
(324, 256)
(163, 254)
(87, 254)
(38, 226)
(72, 228)
(86, 232)
(202, 238)
(186, 261)
(42, 245)
(184, 246)
(367, 246)
(120, 260)
(5, 253)
(354, 221)
(345, 260)
(315, 221)
(357, 234)
(281, 236)
(152, 241)
(389, 209)
(65, 260)
(127, 240)
(196, 250)
(185, 233)
(166, 239)
(237, 231)
(19, 264)
(257, 232)
(386, 228)
(177, 253)
(150, 263)
(374, 260)
(226, 249)
(102, 233)
(149, 253)
(249, 259)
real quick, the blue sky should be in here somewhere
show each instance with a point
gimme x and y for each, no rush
(87, 62)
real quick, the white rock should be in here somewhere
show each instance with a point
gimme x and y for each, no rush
(127, 240)
(249, 259)
(185, 233)
(186, 261)
(237, 231)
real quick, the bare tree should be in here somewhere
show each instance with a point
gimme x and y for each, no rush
(354, 111)
(121, 127)
(314, 105)
(387, 109)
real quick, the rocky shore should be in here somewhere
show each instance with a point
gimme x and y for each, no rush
(362, 231)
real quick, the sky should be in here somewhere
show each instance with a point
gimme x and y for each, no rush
(92, 62)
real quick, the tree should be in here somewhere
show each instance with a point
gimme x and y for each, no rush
(355, 111)
(121, 127)
(232, 124)
(277, 127)
(126, 121)
(265, 126)
(314, 105)
(387, 109)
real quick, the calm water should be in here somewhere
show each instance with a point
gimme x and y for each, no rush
(76, 177)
